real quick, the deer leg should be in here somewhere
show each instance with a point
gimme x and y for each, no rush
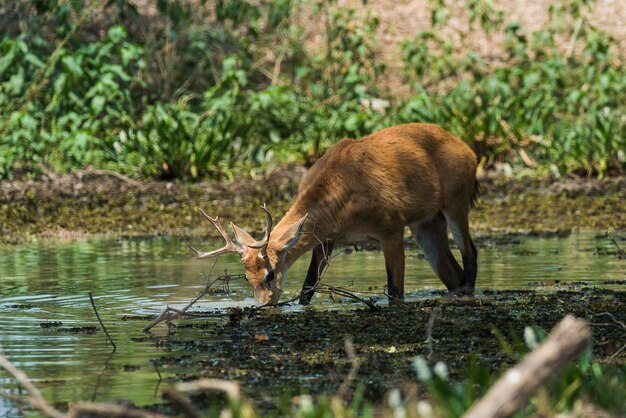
(393, 250)
(319, 261)
(432, 237)
(459, 225)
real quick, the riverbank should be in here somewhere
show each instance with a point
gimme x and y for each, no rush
(281, 356)
(96, 202)
(278, 359)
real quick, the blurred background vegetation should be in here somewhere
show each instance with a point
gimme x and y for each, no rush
(194, 89)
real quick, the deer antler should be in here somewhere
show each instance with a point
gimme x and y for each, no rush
(262, 245)
(230, 247)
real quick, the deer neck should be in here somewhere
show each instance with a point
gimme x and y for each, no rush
(314, 233)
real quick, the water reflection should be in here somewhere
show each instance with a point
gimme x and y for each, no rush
(46, 281)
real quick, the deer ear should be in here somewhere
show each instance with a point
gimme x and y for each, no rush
(242, 237)
(293, 233)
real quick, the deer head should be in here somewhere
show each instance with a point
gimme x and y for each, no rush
(264, 260)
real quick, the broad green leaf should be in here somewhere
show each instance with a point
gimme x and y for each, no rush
(72, 65)
(97, 104)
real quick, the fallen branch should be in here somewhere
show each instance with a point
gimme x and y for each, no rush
(346, 293)
(513, 390)
(397, 301)
(108, 410)
(35, 398)
(614, 322)
(93, 305)
(609, 315)
(181, 402)
(110, 173)
(170, 313)
(230, 388)
(354, 368)
(615, 354)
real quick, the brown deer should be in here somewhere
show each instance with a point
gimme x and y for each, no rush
(369, 189)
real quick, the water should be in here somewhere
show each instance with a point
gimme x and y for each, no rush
(49, 281)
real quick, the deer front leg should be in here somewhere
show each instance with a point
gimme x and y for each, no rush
(393, 250)
(319, 261)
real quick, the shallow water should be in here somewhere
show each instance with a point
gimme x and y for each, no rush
(48, 282)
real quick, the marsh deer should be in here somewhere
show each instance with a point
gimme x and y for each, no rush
(370, 189)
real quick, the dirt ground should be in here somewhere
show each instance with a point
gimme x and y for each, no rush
(96, 202)
(92, 202)
(277, 355)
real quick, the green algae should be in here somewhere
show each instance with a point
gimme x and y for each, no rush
(74, 207)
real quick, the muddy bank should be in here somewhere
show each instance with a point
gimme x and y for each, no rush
(100, 202)
(258, 351)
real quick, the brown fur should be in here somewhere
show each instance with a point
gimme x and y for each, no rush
(370, 189)
(381, 183)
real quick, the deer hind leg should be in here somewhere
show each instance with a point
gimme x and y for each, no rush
(432, 237)
(459, 225)
(319, 261)
(393, 250)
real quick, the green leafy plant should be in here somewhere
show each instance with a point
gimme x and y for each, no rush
(85, 100)
(561, 109)
(586, 380)
(182, 99)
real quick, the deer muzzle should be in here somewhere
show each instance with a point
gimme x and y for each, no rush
(264, 295)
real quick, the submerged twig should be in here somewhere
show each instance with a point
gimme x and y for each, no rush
(99, 379)
(156, 368)
(101, 323)
(620, 253)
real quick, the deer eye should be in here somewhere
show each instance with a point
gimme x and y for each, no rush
(269, 277)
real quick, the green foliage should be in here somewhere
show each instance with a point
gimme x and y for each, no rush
(587, 381)
(66, 111)
(565, 109)
(348, 68)
(183, 99)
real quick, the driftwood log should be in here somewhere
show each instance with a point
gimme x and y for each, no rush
(513, 390)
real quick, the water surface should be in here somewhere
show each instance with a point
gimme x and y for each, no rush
(45, 283)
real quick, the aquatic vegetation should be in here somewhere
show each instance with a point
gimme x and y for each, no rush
(438, 371)
(80, 205)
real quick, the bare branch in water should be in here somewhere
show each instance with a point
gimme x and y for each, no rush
(93, 305)
(169, 313)
(620, 253)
